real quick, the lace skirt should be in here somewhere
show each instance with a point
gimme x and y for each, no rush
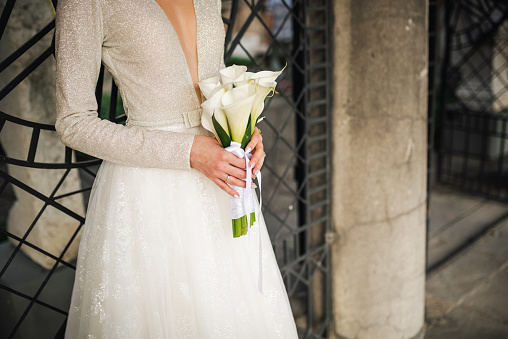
(157, 259)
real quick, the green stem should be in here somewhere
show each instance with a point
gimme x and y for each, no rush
(240, 225)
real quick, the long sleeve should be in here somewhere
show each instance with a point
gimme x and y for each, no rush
(80, 34)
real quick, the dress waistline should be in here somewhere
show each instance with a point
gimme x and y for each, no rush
(188, 119)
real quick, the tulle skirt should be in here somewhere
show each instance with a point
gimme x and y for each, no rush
(157, 259)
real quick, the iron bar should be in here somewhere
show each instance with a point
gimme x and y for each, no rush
(33, 144)
(22, 295)
(38, 249)
(25, 72)
(29, 229)
(41, 196)
(43, 284)
(6, 13)
(26, 46)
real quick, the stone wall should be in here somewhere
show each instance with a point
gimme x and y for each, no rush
(34, 100)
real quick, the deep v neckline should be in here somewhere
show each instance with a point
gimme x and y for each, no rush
(180, 46)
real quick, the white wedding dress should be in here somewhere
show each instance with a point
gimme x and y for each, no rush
(157, 257)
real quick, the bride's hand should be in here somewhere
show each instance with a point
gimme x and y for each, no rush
(217, 164)
(258, 156)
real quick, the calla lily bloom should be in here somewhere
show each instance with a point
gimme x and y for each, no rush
(265, 76)
(210, 107)
(222, 119)
(237, 104)
(263, 88)
(233, 75)
(209, 85)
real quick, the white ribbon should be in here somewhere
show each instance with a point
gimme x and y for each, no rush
(245, 204)
(260, 274)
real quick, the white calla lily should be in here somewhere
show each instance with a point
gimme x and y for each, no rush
(242, 80)
(263, 88)
(237, 104)
(221, 118)
(238, 93)
(265, 76)
(233, 75)
(207, 86)
(212, 106)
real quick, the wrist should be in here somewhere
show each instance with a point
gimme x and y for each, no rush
(197, 145)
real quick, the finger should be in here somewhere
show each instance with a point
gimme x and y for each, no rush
(258, 159)
(236, 172)
(235, 161)
(255, 171)
(225, 187)
(236, 182)
(257, 167)
(254, 141)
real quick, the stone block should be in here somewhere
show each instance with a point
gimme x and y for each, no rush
(471, 225)
(448, 207)
(496, 241)
(492, 297)
(465, 324)
(438, 249)
(460, 276)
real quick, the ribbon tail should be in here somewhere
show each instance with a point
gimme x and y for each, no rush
(260, 195)
(260, 273)
(247, 201)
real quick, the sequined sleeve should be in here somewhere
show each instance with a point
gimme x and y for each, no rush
(80, 33)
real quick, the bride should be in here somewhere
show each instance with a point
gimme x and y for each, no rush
(157, 257)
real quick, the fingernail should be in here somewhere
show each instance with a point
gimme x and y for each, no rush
(237, 196)
(254, 185)
(252, 164)
(248, 150)
(256, 173)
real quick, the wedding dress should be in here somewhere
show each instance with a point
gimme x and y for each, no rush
(157, 257)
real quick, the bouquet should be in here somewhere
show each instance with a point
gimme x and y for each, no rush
(234, 102)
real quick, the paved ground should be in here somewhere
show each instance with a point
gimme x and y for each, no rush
(467, 296)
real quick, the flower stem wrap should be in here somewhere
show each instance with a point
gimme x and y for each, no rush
(245, 205)
(242, 209)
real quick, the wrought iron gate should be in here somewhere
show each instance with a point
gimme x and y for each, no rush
(296, 172)
(473, 105)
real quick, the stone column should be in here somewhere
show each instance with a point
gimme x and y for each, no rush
(379, 168)
(34, 100)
